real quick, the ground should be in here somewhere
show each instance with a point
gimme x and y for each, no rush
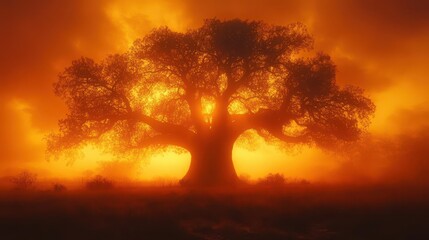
(294, 211)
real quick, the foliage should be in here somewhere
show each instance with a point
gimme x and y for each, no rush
(249, 72)
(279, 180)
(273, 180)
(99, 183)
(25, 180)
(58, 187)
(202, 89)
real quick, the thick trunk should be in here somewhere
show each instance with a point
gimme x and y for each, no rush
(211, 163)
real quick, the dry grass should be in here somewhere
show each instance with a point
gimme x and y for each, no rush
(294, 211)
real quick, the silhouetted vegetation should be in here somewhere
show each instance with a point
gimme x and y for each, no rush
(279, 180)
(24, 180)
(99, 183)
(202, 89)
(273, 180)
(58, 187)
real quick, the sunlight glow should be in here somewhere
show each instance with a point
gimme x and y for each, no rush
(208, 106)
(23, 112)
(401, 97)
(134, 18)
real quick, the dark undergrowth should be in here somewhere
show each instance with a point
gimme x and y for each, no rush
(254, 212)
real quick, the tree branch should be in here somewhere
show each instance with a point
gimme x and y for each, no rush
(303, 138)
(270, 120)
(166, 139)
(172, 130)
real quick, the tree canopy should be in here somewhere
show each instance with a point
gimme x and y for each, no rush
(214, 82)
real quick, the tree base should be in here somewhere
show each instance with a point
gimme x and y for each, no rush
(224, 179)
(203, 182)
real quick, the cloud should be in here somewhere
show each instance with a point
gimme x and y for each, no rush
(16, 123)
(401, 157)
(372, 42)
(39, 38)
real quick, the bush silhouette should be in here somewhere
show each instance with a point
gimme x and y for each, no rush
(58, 187)
(273, 180)
(25, 180)
(99, 183)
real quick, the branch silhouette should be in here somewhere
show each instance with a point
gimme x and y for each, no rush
(250, 72)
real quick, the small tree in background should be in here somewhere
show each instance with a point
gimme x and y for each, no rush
(273, 180)
(25, 180)
(58, 187)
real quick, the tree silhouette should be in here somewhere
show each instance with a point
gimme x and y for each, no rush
(200, 90)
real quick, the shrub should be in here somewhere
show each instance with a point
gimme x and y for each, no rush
(25, 180)
(245, 179)
(99, 183)
(273, 180)
(58, 187)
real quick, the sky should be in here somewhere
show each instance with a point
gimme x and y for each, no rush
(380, 46)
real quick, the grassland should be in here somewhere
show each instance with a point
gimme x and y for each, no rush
(290, 211)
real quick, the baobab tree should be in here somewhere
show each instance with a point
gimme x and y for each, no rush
(203, 88)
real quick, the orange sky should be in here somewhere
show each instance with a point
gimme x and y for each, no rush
(380, 46)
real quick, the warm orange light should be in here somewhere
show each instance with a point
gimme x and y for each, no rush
(394, 73)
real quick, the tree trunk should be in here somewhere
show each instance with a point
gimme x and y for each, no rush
(211, 163)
